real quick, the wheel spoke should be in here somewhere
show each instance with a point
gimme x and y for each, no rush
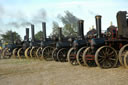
(112, 59)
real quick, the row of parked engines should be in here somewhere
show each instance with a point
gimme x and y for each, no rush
(103, 49)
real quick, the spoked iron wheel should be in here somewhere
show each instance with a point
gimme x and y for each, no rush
(6, 54)
(33, 52)
(0, 53)
(62, 55)
(71, 56)
(20, 53)
(39, 53)
(79, 56)
(54, 54)
(14, 53)
(88, 57)
(27, 53)
(47, 53)
(126, 60)
(122, 53)
(106, 57)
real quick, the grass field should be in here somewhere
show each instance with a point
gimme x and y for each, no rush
(36, 72)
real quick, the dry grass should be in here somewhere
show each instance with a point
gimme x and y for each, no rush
(36, 72)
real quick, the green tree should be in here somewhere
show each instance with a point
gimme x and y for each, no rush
(38, 35)
(70, 24)
(54, 28)
(7, 36)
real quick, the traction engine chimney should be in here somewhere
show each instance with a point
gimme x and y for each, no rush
(98, 25)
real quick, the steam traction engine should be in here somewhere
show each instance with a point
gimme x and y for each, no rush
(8, 50)
(30, 52)
(104, 49)
(19, 44)
(47, 45)
(80, 44)
(19, 51)
(62, 47)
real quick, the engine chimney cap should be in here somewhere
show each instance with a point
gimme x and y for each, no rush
(59, 27)
(43, 22)
(32, 25)
(98, 16)
(81, 21)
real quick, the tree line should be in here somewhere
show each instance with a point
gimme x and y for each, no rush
(69, 28)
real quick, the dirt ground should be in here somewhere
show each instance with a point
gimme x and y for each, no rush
(36, 72)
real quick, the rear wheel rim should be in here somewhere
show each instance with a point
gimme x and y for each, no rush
(47, 53)
(27, 53)
(126, 60)
(122, 53)
(106, 57)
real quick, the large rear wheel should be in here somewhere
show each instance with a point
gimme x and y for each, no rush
(47, 53)
(33, 52)
(106, 57)
(39, 53)
(27, 53)
(122, 52)
(126, 60)
(14, 53)
(20, 53)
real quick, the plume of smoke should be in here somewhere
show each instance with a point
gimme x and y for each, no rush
(2, 11)
(40, 16)
(92, 13)
(20, 19)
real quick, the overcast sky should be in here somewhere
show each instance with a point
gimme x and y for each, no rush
(14, 12)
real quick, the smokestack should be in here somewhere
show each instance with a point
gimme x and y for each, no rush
(122, 23)
(27, 34)
(81, 28)
(60, 33)
(32, 30)
(44, 30)
(98, 25)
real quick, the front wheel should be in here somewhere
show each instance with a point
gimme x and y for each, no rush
(20, 53)
(54, 54)
(39, 53)
(33, 52)
(71, 56)
(62, 55)
(79, 56)
(88, 57)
